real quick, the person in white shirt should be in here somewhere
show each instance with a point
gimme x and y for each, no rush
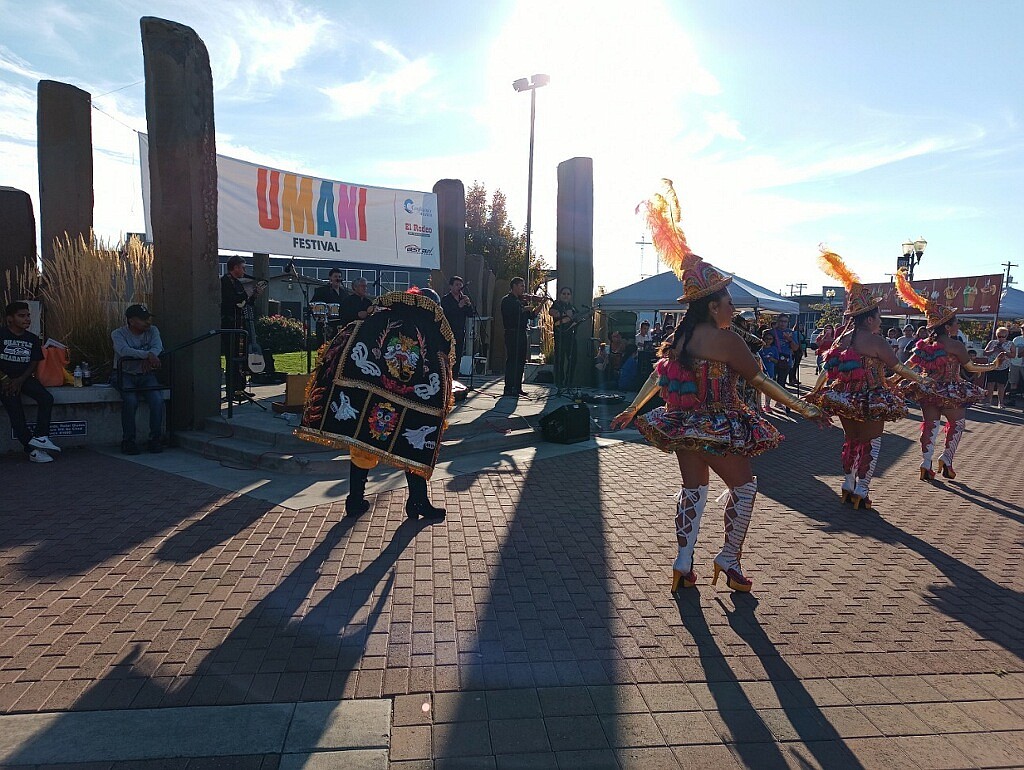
(904, 342)
(997, 378)
(1016, 378)
(643, 337)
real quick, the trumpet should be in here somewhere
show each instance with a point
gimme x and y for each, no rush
(752, 339)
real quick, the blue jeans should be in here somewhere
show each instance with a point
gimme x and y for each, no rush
(131, 390)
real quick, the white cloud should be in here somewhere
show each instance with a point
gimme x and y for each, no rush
(382, 91)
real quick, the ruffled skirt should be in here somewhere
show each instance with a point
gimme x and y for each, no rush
(863, 405)
(734, 431)
(946, 395)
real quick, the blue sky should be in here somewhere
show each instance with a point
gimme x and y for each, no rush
(784, 124)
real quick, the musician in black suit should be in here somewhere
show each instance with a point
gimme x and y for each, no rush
(563, 318)
(458, 308)
(334, 293)
(515, 315)
(233, 298)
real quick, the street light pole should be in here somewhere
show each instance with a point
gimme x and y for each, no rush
(912, 253)
(522, 84)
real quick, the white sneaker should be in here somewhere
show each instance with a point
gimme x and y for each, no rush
(39, 456)
(43, 442)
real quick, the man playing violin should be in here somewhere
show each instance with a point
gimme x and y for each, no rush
(516, 313)
(458, 308)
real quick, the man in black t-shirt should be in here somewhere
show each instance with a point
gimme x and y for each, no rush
(357, 306)
(233, 298)
(331, 294)
(20, 354)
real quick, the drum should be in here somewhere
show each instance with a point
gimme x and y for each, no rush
(334, 310)
(319, 310)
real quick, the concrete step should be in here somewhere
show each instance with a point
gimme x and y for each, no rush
(251, 447)
(309, 459)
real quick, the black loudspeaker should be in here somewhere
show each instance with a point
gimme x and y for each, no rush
(567, 424)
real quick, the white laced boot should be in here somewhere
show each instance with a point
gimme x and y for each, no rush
(689, 510)
(860, 494)
(954, 432)
(929, 432)
(739, 508)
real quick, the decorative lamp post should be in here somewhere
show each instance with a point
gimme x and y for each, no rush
(520, 85)
(912, 253)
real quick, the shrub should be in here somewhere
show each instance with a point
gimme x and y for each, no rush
(280, 334)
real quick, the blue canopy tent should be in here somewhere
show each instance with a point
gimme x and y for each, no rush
(659, 292)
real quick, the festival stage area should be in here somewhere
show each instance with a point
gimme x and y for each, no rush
(150, 619)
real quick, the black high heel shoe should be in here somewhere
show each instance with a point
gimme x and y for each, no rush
(355, 508)
(426, 510)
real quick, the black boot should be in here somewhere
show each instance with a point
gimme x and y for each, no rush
(355, 503)
(418, 503)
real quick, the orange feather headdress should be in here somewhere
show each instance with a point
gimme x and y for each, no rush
(662, 212)
(935, 313)
(858, 299)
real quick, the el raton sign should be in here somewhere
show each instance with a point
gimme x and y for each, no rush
(267, 210)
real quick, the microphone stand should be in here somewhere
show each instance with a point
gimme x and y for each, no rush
(304, 288)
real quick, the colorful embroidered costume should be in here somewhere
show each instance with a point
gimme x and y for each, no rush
(704, 412)
(950, 390)
(856, 388)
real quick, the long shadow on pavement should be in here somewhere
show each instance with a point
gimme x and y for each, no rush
(275, 654)
(750, 736)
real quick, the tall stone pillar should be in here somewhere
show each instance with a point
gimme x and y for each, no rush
(17, 232)
(574, 249)
(183, 197)
(64, 150)
(451, 219)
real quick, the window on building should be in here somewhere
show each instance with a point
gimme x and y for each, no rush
(394, 280)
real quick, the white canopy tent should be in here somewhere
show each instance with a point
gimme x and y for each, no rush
(659, 293)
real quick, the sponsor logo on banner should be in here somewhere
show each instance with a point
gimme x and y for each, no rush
(420, 231)
(411, 207)
(413, 248)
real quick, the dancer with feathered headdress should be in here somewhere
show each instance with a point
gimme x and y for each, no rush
(853, 385)
(704, 420)
(941, 356)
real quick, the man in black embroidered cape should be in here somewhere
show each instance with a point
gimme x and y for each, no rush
(383, 390)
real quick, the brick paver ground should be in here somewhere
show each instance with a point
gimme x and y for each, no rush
(534, 628)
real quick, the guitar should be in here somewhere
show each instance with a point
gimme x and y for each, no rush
(254, 361)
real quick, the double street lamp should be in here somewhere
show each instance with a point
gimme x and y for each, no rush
(912, 253)
(520, 85)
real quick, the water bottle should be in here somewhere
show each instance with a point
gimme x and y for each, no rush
(86, 374)
(78, 376)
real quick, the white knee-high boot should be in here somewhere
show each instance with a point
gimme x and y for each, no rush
(929, 432)
(689, 510)
(954, 432)
(865, 474)
(739, 508)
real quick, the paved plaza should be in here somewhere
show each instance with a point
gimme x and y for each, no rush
(149, 620)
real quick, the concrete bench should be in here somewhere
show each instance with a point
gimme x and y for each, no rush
(81, 417)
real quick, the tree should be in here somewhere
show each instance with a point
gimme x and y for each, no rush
(490, 234)
(831, 315)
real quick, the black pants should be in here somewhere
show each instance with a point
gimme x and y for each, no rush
(565, 358)
(357, 485)
(16, 411)
(794, 373)
(782, 369)
(460, 351)
(232, 348)
(515, 361)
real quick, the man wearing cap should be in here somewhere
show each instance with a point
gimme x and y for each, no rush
(137, 349)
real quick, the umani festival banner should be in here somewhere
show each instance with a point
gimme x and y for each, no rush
(973, 295)
(271, 211)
